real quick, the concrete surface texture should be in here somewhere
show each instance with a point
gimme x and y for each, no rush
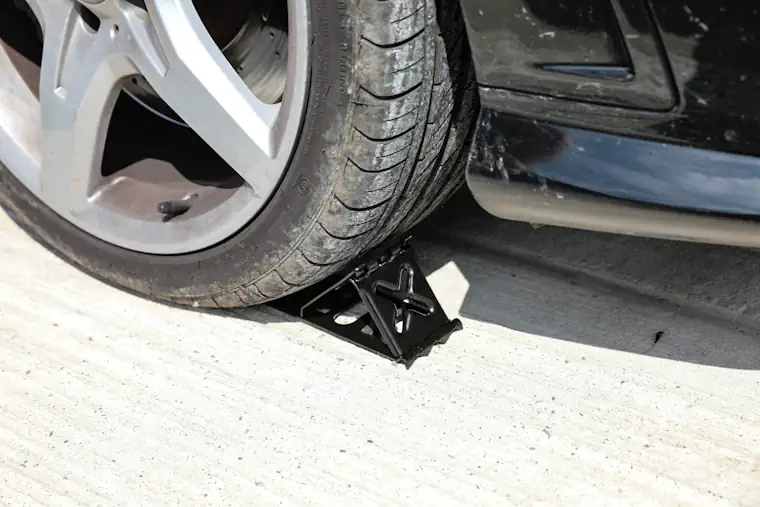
(554, 394)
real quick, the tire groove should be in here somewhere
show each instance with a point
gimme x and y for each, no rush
(395, 44)
(392, 96)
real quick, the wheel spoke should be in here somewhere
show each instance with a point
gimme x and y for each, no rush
(79, 84)
(205, 91)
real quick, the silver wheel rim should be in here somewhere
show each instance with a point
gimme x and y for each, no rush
(52, 138)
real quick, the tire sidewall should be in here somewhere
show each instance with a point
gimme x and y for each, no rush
(277, 230)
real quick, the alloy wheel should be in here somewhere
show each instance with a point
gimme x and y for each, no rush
(211, 77)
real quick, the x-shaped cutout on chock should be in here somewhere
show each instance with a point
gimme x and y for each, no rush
(404, 298)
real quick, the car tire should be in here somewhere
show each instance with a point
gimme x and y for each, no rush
(389, 110)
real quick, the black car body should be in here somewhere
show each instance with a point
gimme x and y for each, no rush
(628, 116)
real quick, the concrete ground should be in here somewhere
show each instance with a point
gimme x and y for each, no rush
(554, 394)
